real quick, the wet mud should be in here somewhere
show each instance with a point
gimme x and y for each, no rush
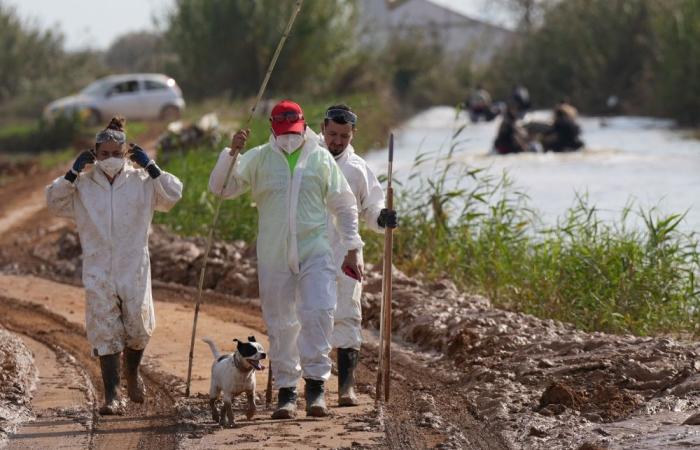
(467, 375)
(18, 376)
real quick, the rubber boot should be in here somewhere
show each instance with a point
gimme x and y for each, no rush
(134, 383)
(347, 361)
(110, 377)
(315, 399)
(286, 404)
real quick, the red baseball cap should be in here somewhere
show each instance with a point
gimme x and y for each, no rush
(287, 117)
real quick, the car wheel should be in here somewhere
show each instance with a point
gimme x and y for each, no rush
(93, 117)
(170, 113)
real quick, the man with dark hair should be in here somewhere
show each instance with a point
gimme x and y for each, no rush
(338, 129)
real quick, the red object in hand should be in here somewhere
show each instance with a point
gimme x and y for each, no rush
(351, 273)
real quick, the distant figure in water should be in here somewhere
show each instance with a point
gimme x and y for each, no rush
(511, 137)
(565, 134)
(612, 105)
(521, 100)
(480, 105)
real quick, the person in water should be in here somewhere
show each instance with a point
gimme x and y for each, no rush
(565, 133)
(511, 137)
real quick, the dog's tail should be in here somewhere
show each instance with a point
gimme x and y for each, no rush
(212, 346)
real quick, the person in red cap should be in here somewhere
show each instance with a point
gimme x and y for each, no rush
(295, 184)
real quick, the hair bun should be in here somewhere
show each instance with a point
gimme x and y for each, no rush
(117, 123)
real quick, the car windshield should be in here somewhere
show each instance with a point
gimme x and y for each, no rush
(95, 88)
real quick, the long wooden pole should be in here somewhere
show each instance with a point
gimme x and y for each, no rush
(219, 200)
(384, 372)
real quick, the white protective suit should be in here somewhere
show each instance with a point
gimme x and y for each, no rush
(347, 331)
(296, 271)
(113, 223)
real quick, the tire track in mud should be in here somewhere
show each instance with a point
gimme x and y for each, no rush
(153, 425)
(62, 402)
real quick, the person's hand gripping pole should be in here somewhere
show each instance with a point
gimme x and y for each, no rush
(234, 152)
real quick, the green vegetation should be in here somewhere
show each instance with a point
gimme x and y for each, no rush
(33, 137)
(238, 219)
(193, 214)
(637, 274)
(36, 69)
(225, 47)
(643, 51)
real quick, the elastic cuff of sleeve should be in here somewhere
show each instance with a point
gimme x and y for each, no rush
(71, 176)
(153, 170)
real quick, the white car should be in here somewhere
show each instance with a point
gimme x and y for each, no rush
(135, 96)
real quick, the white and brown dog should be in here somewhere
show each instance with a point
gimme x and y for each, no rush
(234, 374)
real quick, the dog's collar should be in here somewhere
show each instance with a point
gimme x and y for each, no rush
(239, 364)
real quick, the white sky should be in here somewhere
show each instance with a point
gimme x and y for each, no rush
(91, 23)
(96, 23)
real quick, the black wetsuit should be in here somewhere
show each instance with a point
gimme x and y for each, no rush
(506, 141)
(563, 136)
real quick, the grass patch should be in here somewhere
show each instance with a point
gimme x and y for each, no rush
(40, 135)
(193, 215)
(49, 160)
(600, 276)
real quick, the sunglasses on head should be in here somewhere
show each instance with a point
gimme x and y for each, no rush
(341, 116)
(289, 117)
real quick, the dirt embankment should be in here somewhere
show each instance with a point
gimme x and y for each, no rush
(538, 381)
(51, 315)
(18, 376)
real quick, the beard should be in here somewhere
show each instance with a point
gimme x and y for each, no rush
(336, 150)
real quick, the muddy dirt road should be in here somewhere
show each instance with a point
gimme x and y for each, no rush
(466, 375)
(47, 313)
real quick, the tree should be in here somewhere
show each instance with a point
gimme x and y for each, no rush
(34, 68)
(138, 52)
(677, 74)
(226, 45)
(585, 50)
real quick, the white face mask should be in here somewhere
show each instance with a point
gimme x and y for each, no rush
(112, 166)
(289, 142)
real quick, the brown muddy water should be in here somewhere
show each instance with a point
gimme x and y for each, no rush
(643, 160)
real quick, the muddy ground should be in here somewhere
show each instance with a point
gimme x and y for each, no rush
(17, 381)
(466, 375)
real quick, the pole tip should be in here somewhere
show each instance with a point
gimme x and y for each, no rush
(391, 147)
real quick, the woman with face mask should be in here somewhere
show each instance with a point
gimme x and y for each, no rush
(113, 205)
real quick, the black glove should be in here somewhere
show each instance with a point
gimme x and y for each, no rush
(387, 218)
(85, 158)
(139, 156)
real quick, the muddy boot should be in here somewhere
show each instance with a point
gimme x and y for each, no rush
(134, 383)
(110, 377)
(286, 404)
(315, 400)
(347, 361)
